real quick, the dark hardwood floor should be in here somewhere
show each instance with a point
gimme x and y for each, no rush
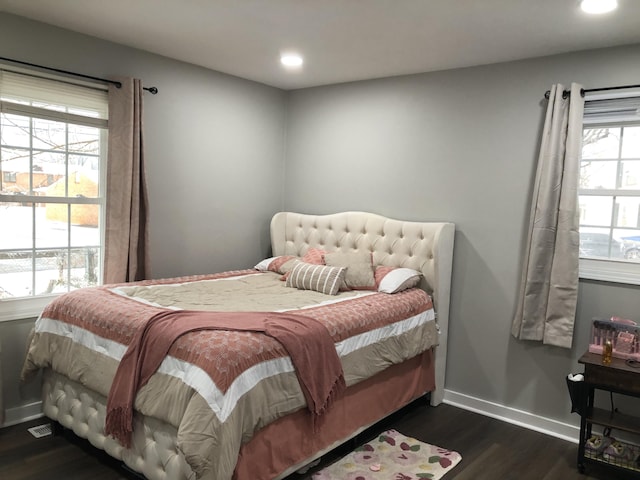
(491, 450)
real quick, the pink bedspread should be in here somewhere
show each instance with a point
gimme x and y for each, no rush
(84, 334)
(306, 341)
(224, 354)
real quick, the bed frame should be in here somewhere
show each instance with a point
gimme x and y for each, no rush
(427, 247)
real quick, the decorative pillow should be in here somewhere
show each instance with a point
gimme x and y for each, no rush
(263, 265)
(395, 279)
(359, 267)
(281, 264)
(286, 267)
(323, 279)
(315, 256)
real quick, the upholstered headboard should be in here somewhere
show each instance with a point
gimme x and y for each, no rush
(423, 246)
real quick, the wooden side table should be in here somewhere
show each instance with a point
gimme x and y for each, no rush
(617, 377)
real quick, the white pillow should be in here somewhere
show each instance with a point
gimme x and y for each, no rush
(398, 279)
(263, 265)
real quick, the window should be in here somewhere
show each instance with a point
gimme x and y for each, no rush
(53, 141)
(609, 189)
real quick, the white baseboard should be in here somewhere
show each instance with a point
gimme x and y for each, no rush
(23, 413)
(565, 431)
(521, 418)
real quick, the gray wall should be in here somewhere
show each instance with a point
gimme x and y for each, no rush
(214, 157)
(459, 145)
(13, 343)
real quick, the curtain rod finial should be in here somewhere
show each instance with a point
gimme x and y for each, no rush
(152, 90)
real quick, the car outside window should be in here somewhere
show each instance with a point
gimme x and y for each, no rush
(609, 189)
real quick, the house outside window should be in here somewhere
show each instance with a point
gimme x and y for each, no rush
(9, 177)
(53, 137)
(609, 189)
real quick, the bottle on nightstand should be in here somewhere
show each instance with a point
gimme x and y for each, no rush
(607, 352)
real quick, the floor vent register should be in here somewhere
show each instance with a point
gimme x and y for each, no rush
(41, 430)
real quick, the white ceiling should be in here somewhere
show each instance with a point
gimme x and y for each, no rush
(341, 40)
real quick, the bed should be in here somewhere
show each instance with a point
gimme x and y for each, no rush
(392, 346)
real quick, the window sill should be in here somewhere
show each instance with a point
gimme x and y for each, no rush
(20, 308)
(610, 271)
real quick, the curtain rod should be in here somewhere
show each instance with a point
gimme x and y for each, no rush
(566, 93)
(152, 90)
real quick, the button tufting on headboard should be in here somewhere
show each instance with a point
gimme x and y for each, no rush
(392, 242)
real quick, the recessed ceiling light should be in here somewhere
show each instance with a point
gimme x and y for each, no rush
(598, 6)
(291, 60)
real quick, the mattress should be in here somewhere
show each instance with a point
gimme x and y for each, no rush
(218, 389)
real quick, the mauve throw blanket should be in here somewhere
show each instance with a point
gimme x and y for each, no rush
(306, 340)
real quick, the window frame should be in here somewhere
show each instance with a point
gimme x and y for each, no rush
(610, 270)
(14, 308)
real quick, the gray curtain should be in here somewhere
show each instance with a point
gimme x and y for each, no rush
(549, 286)
(126, 255)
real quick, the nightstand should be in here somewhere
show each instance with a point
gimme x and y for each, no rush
(617, 377)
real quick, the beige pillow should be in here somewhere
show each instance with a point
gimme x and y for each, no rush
(359, 267)
(320, 278)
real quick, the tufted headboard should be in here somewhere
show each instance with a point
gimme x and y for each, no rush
(423, 246)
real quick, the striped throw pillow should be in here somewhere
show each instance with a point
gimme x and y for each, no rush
(307, 276)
